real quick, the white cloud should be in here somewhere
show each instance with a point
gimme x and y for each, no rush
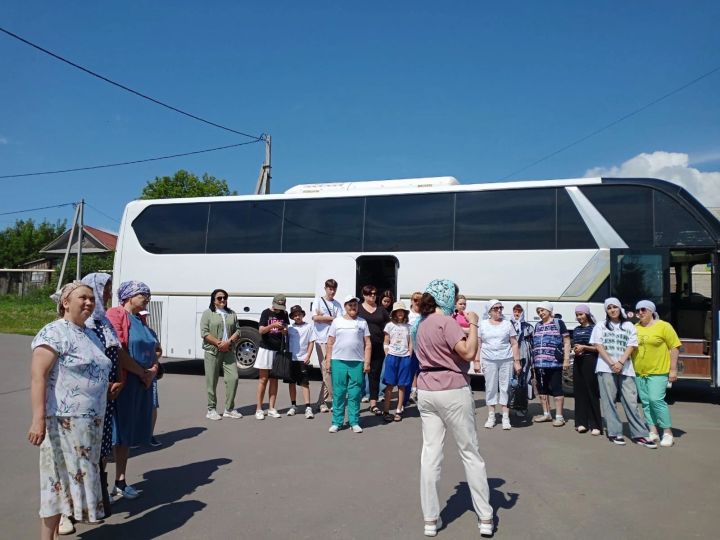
(672, 166)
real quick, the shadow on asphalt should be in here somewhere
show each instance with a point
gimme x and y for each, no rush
(461, 501)
(161, 491)
(168, 439)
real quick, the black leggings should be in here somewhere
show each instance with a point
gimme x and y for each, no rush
(587, 393)
(377, 357)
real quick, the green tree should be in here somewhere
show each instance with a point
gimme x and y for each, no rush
(185, 184)
(21, 242)
(102, 262)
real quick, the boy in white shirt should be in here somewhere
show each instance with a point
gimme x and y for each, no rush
(301, 340)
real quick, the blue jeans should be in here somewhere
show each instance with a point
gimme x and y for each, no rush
(610, 385)
(366, 384)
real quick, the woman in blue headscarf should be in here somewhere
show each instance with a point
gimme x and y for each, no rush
(445, 401)
(134, 406)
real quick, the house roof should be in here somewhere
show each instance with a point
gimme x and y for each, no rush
(94, 241)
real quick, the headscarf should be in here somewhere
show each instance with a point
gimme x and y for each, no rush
(584, 308)
(650, 306)
(545, 305)
(97, 281)
(521, 318)
(612, 301)
(128, 289)
(491, 304)
(64, 293)
(443, 291)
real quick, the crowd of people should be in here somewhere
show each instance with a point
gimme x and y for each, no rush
(94, 378)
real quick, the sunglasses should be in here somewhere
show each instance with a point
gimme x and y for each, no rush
(371, 294)
(497, 308)
(221, 298)
(643, 309)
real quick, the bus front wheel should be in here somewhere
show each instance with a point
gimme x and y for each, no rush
(246, 351)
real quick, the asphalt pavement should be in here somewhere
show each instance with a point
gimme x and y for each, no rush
(289, 478)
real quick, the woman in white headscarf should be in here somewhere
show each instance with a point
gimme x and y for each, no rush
(615, 340)
(655, 362)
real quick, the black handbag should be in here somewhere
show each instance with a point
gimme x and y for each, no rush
(281, 368)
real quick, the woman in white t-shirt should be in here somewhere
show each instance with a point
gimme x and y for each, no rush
(348, 357)
(616, 339)
(498, 349)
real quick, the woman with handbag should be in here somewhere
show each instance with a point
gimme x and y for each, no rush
(273, 327)
(219, 331)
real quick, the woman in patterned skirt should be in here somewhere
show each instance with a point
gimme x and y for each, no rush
(68, 389)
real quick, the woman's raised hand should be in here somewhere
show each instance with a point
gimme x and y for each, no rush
(472, 317)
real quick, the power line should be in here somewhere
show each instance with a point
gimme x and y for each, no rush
(122, 163)
(101, 212)
(34, 209)
(613, 123)
(126, 88)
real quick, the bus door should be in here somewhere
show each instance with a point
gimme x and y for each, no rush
(691, 294)
(715, 317)
(380, 271)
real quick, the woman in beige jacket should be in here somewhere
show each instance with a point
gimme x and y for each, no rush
(220, 331)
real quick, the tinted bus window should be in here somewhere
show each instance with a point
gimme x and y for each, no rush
(409, 223)
(674, 226)
(512, 219)
(628, 209)
(572, 233)
(245, 227)
(172, 228)
(330, 225)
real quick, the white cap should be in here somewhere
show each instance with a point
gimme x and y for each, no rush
(350, 298)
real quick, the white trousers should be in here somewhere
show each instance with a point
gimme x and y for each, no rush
(452, 410)
(498, 374)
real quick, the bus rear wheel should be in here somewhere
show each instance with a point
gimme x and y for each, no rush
(246, 352)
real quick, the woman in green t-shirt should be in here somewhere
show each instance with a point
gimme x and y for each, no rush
(655, 362)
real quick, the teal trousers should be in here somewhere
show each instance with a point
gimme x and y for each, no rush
(347, 381)
(651, 390)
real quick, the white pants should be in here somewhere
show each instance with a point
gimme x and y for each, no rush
(453, 410)
(498, 374)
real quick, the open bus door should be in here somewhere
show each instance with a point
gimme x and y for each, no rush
(693, 315)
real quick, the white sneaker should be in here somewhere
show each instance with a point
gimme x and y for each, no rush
(667, 441)
(654, 437)
(431, 529)
(128, 492)
(486, 529)
(490, 422)
(231, 414)
(365, 399)
(212, 414)
(273, 413)
(333, 429)
(308, 413)
(291, 411)
(66, 525)
(259, 415)
(356, 429)
(506, 422)
(324, 408)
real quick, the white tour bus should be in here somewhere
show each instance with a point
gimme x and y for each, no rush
(566, 241)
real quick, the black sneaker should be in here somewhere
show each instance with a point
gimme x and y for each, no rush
(154, 442)
(617, 440)
(642, 441)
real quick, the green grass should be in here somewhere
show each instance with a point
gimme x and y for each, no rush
(26, 315)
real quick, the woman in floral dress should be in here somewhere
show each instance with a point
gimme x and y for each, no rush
(68, 389)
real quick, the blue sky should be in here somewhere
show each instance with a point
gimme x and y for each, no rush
(348, 91)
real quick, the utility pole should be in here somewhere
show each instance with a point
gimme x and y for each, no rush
(81, 216)
(263, 183)
(68, 248)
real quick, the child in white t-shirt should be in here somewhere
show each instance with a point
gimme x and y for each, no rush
(301, 339)
(398, 360)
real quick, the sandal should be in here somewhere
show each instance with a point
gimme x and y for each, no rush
(376, 411)
(388, 417)
(397, 417)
